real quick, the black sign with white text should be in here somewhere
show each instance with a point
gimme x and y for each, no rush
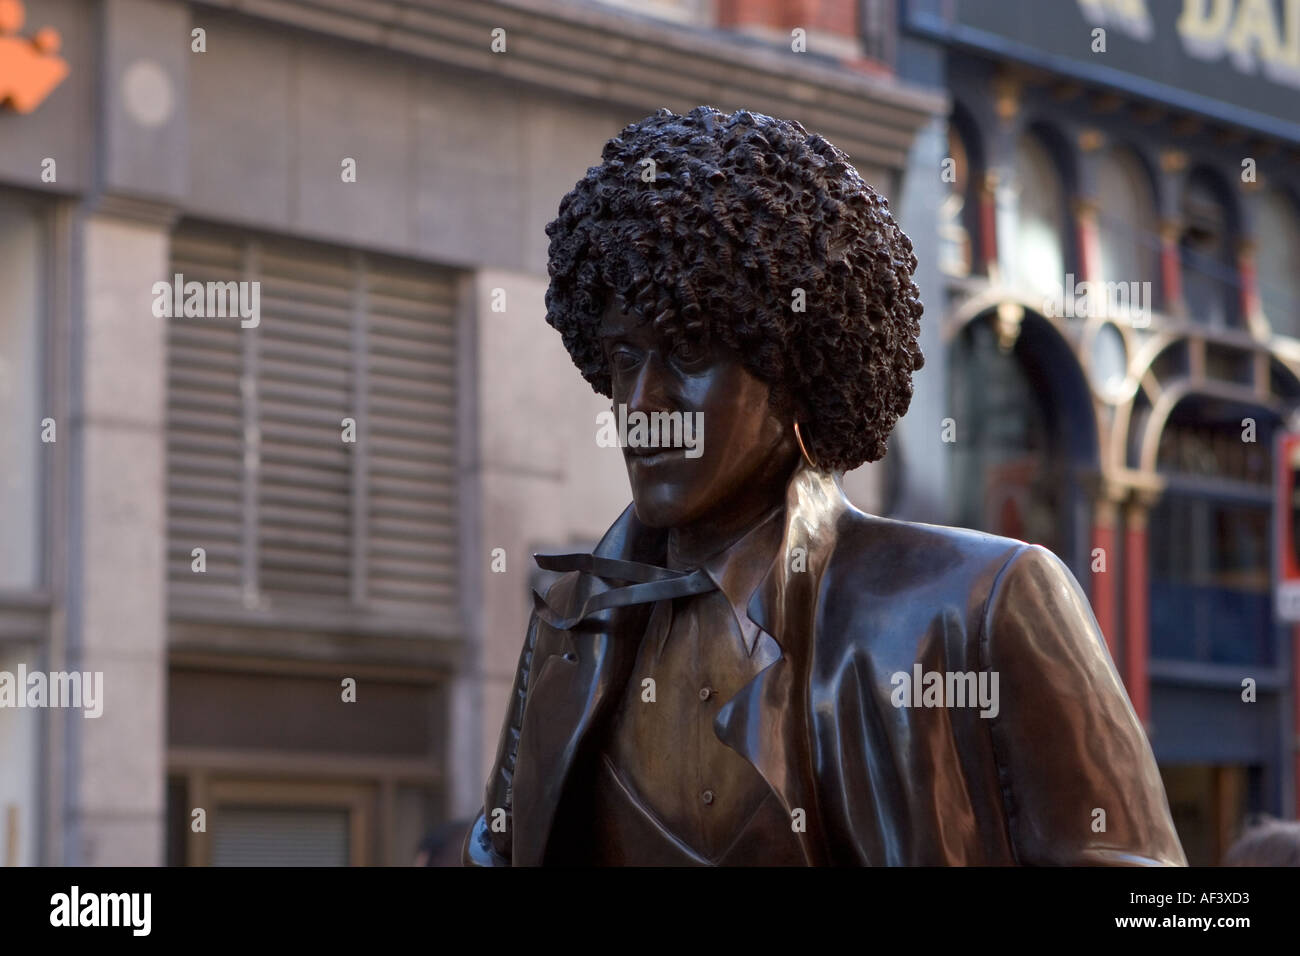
(1234, 60)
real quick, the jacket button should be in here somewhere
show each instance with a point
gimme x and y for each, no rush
(707, 797)
(705, 693)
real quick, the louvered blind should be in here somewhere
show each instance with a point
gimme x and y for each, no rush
(205, 432)
(274, 836)
(259, 475)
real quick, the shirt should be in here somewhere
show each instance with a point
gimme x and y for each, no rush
(661, 758)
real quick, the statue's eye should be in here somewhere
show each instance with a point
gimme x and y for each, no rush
(687, 352)
(623, 358)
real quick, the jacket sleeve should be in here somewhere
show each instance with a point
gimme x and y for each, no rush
(1079, 781)
(484, 845)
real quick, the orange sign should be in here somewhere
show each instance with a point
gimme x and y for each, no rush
(30, 67)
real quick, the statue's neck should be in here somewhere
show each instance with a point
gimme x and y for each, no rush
(689, 546)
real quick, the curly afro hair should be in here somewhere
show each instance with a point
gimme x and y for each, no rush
(715, 236)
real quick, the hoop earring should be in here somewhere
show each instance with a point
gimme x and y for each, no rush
(803, 449)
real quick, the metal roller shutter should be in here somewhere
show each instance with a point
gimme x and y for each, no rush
(259, 473)
(273, 836)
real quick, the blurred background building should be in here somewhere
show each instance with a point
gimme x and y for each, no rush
(1157, 143)
(384, 170)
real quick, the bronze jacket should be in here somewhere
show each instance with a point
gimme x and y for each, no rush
(1061, 774)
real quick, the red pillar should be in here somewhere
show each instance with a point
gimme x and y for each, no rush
(1136, 618)
(1105, 602)
(1171, 269)
(1295, 699)
(1249, 282)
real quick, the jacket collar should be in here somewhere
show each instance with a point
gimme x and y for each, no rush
(813, 504)
(737, 570)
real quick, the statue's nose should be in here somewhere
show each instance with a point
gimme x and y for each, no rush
(650, 390)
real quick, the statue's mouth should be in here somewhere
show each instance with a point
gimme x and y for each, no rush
(650, 457)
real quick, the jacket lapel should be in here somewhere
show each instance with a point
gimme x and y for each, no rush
(575, 673)
(768, 722)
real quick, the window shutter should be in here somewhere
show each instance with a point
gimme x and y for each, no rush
(291, 514)
(275, 836)
(413, 535)
(305, 388)
(205, 432)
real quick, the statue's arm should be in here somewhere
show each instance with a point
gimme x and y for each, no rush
(484, 844)
(1080, 784)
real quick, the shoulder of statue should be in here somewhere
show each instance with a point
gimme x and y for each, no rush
(873, 557)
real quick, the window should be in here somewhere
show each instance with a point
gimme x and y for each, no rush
(280, 774)
(1210, 282)
(1277, 258)
(21, 308)
(1040, 221)
(879, 31)
(280, 836)
(1210, 538)
(1210, 596)
(261, 822)
(312, 457)
(24, 259)
(1126, 221)
(1006, 463)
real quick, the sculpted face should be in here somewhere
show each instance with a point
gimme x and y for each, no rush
(745, 452)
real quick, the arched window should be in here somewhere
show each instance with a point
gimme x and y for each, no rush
(1009, 455)
(1210, 282)
(1126, 220)
(1277, 263)
(1040, 220)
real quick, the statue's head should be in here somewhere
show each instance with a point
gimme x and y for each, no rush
(735, 269)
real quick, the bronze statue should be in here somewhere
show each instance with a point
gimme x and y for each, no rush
(747, 670)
